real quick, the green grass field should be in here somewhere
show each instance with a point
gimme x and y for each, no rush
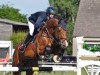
(47, 73)
(52, 73)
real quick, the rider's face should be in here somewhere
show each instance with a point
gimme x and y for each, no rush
(51, 15)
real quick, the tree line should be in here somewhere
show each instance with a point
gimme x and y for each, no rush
(8, 12)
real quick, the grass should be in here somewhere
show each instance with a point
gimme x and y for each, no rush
(48, 73)
(53, 73)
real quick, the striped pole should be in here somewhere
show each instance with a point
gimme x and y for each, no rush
(37, 68)
(26, 68)
(54, 68)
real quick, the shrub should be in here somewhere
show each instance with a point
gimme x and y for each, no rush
(17, 37)
(91, 47)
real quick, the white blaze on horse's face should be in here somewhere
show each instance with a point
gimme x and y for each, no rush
(66, 43)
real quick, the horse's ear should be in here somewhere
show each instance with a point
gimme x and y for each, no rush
(58, 17)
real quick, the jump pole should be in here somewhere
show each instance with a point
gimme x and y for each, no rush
(54, 68)
(25, 68)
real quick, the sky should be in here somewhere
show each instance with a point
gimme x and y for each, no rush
(27, 6)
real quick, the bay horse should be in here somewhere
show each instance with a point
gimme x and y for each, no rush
(50, 31)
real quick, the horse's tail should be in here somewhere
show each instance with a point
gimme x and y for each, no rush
(16, 56)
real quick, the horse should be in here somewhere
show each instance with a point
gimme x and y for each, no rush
(43, 41)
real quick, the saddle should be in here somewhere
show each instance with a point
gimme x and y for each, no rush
(31, 40)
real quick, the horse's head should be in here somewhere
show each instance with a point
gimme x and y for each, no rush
(60, 42)
(61, 37)
(57, 31)
(58, 35)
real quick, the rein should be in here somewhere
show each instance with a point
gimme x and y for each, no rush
(47, 31)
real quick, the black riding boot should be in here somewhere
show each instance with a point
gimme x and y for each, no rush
(34, 34)
(27, 40)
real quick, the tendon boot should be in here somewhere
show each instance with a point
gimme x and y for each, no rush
(26, 42)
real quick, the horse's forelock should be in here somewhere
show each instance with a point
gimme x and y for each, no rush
(52, 22)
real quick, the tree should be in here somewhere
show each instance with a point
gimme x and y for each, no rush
(8, 12)
(68, 10)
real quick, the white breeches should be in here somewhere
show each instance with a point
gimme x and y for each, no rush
(31, 28)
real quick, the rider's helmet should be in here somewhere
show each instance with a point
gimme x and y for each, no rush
(50, 10)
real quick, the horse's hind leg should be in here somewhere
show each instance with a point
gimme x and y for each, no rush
(16, 73)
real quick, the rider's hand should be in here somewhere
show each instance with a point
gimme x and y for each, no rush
(44, 23)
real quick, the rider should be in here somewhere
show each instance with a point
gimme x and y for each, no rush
(35, 21)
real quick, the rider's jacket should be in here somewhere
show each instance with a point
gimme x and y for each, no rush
(38, 18)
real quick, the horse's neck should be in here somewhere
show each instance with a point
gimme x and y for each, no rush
(41, 32)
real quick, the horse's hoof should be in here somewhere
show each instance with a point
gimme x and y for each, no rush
(56, 58)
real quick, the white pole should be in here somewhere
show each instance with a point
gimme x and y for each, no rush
(98, 71)
(92, 70)
(79, 47)
(78, 64)
(9, 68)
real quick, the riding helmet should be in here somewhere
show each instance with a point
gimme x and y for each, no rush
(50, 10)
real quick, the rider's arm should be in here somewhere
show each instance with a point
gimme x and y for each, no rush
(39, 22)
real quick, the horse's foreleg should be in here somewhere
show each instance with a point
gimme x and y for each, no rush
(15, 58)
(29, 72)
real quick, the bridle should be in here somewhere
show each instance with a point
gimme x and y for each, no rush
(58, 38)
(48, 33)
